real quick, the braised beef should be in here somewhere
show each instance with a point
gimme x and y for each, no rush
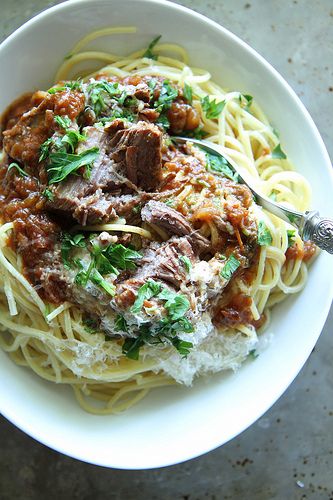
(23, 140)
(136, 152)
(160, 262)
(174, 223)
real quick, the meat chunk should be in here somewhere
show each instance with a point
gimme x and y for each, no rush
(129, 159)
(23, 140)
(136, 152)
(161, 262)
(174, 223)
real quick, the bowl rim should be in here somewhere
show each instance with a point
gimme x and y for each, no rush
(322, 315)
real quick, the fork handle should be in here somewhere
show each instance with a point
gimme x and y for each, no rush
(319, 230)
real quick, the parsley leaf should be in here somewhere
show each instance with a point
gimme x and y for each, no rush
(120, 324)
(45, 149)
(131, 347)
(186, 261)
(122, 257)
(231, 265)
(264, 235)
(48, 194)
(188, 93)
(20, 170)
(177, 306)
(71, 85)
(291, 233)
(163, 121)
(145, 292)
(253, 354)
(167, 95)
(63, 121)
(182, 346)
(248, 98)
(278, 153)
(72, 138)
(212, 108)
(98, 279)
(63, 164)
(221, 165)
(149, 52)
(68, 242)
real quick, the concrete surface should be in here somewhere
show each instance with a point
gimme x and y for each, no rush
(288, 453)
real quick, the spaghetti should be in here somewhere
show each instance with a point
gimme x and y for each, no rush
(53, 340)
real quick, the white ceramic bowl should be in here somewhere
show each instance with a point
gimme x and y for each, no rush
(174, 424)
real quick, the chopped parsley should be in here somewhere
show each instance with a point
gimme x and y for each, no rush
(101, 90)
(131, 346)
(98, 279)
(212, 109)
(278, 154)
(219, 164)
(45, 149)
(167, 95)
(186, 261)
(145, 292)
(149, 51)
(72, 85)
(68, 242)
(253, 354)
(90, 325)
(291, 233)
(63, 164)
(71, 139)
(292, 217)
(17, 167)
(264, 235)
(230, 267)
(163, 121)
(122, 257)
(248, 99)
(63, 121)
(48, 194)
(176, 306)
(188, 93)
(120, 324)
(182, 346)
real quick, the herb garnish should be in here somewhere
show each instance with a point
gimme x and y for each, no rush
(167, 95)
(145, 292)
(63, 121)
(188, 93)
(248, 98)
(291, 233)
(167, 328)
(120, 324)
(68, 242)
(48, 194)
(212, 108)
(231, 265)
(264, 235)
(63, 164)
(149, 52)
(186, 261)
(71, 85)
(221, 165)
(20, 170)
(278, 153)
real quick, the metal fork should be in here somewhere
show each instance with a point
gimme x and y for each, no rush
(309, 224)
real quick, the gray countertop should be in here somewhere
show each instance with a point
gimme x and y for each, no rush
(288, 453)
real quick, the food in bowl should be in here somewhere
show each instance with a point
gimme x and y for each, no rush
(129, 262)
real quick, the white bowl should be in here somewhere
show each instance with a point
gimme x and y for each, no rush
(173, 424)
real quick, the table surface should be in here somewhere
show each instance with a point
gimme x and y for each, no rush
(288, 453)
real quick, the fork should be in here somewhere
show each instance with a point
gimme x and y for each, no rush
(309, 224)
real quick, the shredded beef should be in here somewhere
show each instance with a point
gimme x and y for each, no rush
(23, 140)
(174, 223)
